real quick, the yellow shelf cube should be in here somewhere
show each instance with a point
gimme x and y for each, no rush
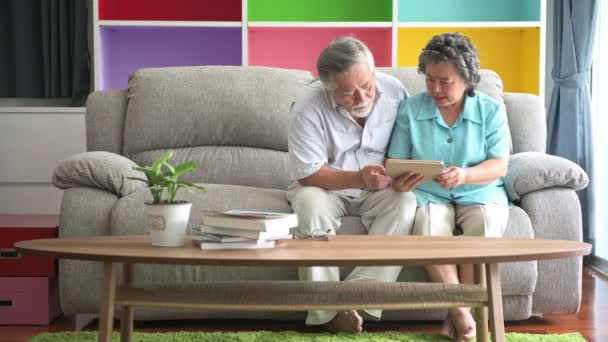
(513, 52)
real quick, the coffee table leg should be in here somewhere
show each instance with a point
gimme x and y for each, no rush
(481, 313)
(126, 317)
(106, 310)
(497, 322)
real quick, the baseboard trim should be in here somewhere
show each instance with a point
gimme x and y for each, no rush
(599, 265)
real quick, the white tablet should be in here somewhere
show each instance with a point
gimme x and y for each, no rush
(428, 168)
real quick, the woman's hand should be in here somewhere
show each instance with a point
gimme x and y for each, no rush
(451, 177)
(408, 181)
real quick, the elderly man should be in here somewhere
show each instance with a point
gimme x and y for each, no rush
(338, 136)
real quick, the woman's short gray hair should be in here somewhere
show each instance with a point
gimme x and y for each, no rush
(339, 56)
(457, 49)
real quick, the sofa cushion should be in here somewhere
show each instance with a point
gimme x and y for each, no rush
(526, 115)
(128, 215)
(210, 106)
(237, 165)
(100, 170)
(532, 171)
(517, 278)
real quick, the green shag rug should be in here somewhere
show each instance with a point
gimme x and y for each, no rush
(289, 336)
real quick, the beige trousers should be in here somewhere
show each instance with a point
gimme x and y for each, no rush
(489, 220)
(383, 212)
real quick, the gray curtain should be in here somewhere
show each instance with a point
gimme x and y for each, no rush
(43, 49)
(569, 115)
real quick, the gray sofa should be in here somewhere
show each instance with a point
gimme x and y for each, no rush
(234, 121)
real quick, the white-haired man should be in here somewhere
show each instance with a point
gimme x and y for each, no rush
(338, 136)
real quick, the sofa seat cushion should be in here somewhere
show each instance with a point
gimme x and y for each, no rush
(517, 278)
(128, 216)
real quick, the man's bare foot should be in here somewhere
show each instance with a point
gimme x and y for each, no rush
(345, 321)
(463, 324)
(447, 329)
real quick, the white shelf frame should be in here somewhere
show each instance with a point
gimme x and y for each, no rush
(472, 24)
(395, 33)
(542, 47)
(363, 24)
(175, 23)
(96, 46)
(244, 33)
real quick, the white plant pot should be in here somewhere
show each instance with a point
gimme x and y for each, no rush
(168, 223)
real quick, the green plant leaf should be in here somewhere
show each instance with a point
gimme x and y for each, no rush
(191, 185)
(139, 179)
(166, 184)
(185, 167)
(158, 163)
(170, 169)
(168, 179)
(144, 169)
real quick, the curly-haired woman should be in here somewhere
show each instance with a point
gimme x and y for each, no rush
(467, 130)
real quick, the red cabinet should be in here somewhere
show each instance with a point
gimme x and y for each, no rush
(28, 283)
(28, 300)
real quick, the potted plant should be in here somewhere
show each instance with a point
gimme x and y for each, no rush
(167, 218)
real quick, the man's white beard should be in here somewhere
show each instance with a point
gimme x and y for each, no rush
(361, 112)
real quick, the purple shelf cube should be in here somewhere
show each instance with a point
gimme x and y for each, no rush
(128, 48)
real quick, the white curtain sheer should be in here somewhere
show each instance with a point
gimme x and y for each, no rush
(599, 105)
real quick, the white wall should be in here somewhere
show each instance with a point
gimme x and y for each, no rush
(32, 142)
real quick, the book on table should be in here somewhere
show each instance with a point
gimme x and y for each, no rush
(249, 244)
(279, 233)
(208, 237)
(255, 213)
(270, 222)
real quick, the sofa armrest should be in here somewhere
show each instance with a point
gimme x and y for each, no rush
(101, 170)
(533, 171)
(555, 214)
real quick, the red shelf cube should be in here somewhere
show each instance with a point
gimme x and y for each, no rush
(14, 228)
(178, 10)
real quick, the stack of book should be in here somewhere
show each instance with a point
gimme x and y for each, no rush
(243, 229)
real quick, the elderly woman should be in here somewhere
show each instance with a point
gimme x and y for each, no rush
(466, 130)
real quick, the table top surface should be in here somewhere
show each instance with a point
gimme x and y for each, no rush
(341, 250)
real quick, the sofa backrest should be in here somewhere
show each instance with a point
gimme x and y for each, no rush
(232, 120)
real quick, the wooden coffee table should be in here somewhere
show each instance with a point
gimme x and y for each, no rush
(341, 250)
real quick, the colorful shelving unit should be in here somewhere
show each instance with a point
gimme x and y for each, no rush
(291, 34)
